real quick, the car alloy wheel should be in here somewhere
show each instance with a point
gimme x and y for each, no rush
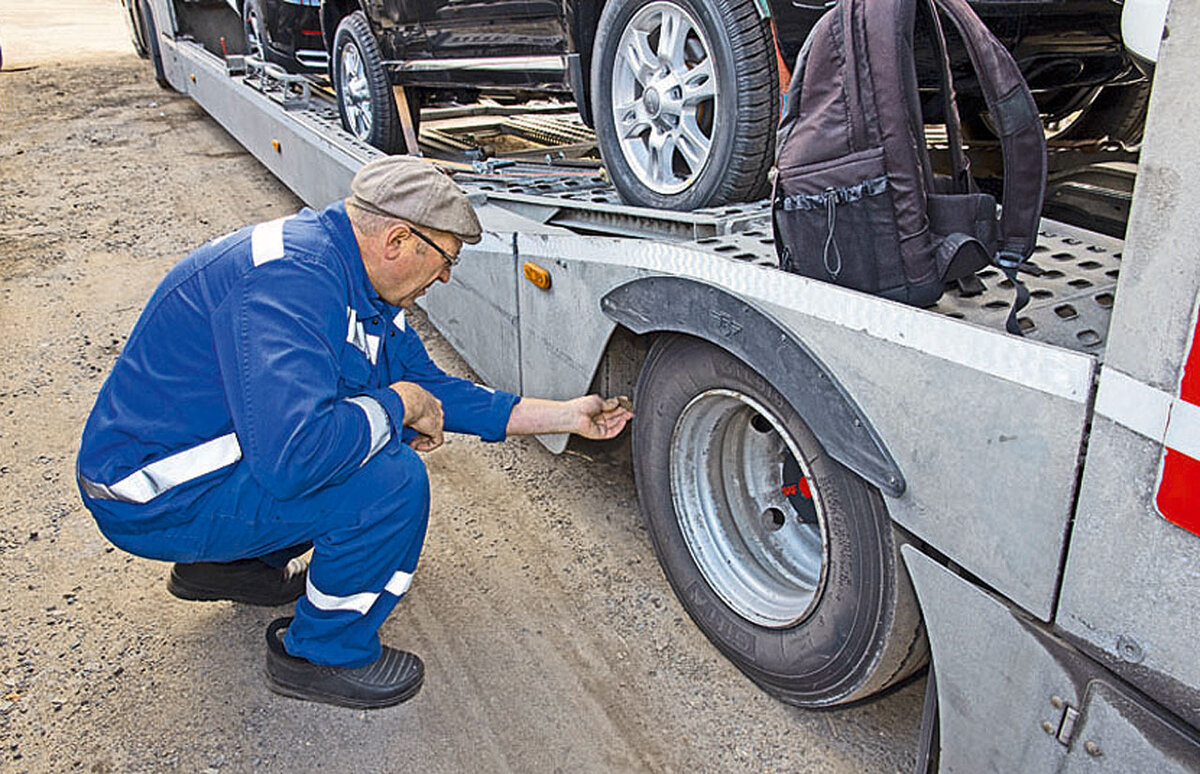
(364, 88)
(664, 97)
(685, 96)
(357, 94)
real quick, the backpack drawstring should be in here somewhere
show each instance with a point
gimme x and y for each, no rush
(831, 225)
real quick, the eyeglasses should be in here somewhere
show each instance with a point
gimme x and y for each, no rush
(451, 260)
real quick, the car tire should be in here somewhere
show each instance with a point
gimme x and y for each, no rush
(690, 125)
(254, 26)
(807, 595)
(364, 90)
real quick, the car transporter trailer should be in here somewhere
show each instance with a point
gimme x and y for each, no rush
(840, 488)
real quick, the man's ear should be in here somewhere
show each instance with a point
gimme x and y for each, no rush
(394, 239)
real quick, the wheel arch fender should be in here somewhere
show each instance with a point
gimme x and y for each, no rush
(679, 305)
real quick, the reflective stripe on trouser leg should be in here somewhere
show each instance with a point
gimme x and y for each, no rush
(362, 565)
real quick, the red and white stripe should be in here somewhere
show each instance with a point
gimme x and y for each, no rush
(1173, 421)
(1178, 498)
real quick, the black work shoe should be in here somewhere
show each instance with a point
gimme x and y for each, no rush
(249, 581)
(395, 676)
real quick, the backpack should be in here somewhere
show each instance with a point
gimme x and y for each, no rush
(855, 199)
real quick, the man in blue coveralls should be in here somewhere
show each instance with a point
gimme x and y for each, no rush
(271, 398)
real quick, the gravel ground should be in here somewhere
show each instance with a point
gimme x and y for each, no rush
(551, 638)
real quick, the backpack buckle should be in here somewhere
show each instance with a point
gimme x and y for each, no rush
(1008, 260)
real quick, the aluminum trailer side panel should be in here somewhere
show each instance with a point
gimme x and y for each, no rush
(1131, 592)
(1013, 697)
(986, 428)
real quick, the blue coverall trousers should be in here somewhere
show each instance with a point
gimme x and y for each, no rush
(366, 534)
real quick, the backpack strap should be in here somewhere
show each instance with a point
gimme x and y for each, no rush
(1022, 137)
(960, 167)
(1022, 142)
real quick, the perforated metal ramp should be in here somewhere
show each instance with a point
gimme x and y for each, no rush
(1073, 285)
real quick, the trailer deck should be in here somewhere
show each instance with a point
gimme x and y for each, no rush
(1072, 275)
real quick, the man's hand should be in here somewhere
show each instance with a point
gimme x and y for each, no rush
(589, 416)
(600, 418)
(423, 413)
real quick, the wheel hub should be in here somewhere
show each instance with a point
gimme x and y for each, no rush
(760, 549)
(652, 102)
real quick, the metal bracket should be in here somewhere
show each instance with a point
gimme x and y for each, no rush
(293, 92)
(1066, 721)
(406, 122)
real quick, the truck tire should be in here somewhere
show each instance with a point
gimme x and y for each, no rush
(137, 28)
(364, 90)
(685, 96)
(785, 559)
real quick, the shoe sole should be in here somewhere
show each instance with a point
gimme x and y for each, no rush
(307, 694)
(183, 590)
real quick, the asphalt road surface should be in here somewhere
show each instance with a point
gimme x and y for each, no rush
(552, 640)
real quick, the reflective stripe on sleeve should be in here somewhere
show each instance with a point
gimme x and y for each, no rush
(361, 602)
(377, 420)
(144, 485)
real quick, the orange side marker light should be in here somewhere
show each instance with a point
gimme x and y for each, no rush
(537, 275)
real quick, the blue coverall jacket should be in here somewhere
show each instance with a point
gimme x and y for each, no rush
(250, 411)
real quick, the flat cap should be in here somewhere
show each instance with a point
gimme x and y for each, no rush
(415, 191)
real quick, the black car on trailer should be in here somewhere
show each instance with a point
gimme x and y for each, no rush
(683, 94)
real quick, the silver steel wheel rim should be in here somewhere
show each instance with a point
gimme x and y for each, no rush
(741, 529)
(665, 97)
(356, 92)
